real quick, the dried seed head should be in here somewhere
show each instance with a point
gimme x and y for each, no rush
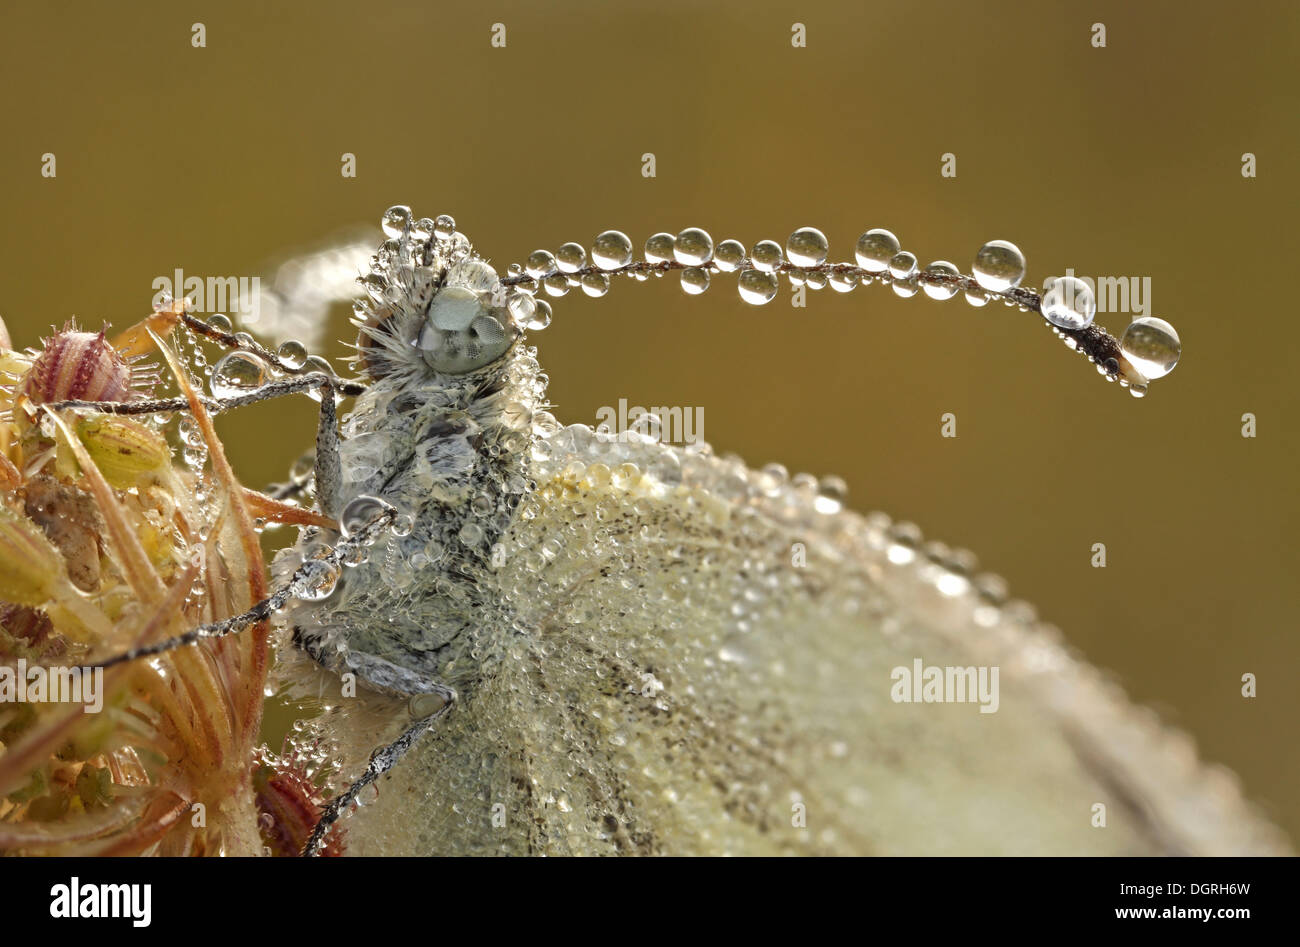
(78, 366)
(33, 571)
(76, 552)
(126, 452)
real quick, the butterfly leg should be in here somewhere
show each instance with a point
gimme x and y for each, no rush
(243, 343)
(306, 574)
(431, 706)
(328, 463)
(274, 389)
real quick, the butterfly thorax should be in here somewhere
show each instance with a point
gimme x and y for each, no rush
(452, 452)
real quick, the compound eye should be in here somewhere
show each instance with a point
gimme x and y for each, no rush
(488, 331)
(452, 345)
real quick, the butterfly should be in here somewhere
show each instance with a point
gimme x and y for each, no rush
(525, 637)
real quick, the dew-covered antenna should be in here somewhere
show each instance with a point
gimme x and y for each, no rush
(1148, 349)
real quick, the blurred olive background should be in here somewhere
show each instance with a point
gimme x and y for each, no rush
(1120, 161)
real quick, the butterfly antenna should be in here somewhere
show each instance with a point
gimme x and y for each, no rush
(1148, 349)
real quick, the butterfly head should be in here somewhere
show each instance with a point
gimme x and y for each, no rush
(432, 304)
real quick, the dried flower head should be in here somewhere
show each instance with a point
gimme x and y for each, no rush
(108, 540)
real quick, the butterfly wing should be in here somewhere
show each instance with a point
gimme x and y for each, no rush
(296, 301)
(702, 659)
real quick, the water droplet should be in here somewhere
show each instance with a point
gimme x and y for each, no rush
(188, 429)
(612, 250)
(595, 284)
(425, 705)
(353, 554)
(902, 265)
(471, 534)
(659, 248)
(977, 298)
(358, 513)
(474, 275)
(843, 282)
(540, 263)
(757, 287)
(693, 247)
(238, 373)
(729, 255)
(403, 523)
(831, 493)
(555, 285)
(695, 280)
(444, 227)
(999, 265)
(1069, 303)
(906, 288)
(396, 221)
(316, 580)
(292, 354)
(941, 290)
(422, 230)
(571, 257)
(220, 322)
(1152, 346)
(624, 475)
(541, 317)
(521, 307)
(807, 246)
(767, 256)
(875, 249)
(315, 363)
